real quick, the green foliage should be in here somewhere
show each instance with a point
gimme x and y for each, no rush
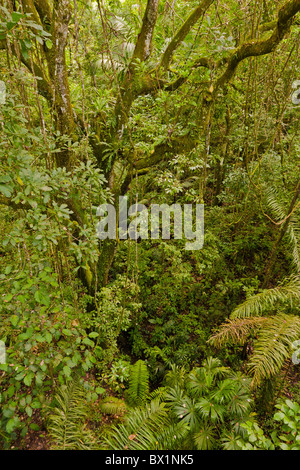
(66, 419)
(118, 375)
(39, 312)
(287, 292)
(284, 438)
(20, 26)
(275, 334)
(90, 114)
(112, 406)
(138, 390)
(194, 413)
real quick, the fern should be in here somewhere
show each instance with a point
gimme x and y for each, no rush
(236, 331)
(289, 291)
(112, 406)
(273, 346)
(138, 389)
(274, 333)
(140, 428)
(65, 421)
(291, 237)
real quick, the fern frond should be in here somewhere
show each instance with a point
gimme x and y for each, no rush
(288, 291)
(138, 389)
(140, 428)
(65, 421)
(272, 203)
(172, 435)
(159, 394)
(112, 405)
(236, 331)
(273, 346)
(291, 237)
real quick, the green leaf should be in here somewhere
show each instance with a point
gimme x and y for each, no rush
(28, 399)
(39, 377)
(88, 342)
(7, 298)
(20, 376)
(67, 371)
(278, 416)
(34, 427)
(16, 16)
(11, 424)
(10, 391)
(42, 298)
(93, 334)
(40, 338)
(28, 379)
(67, 332)
(48, 337)
(14, 319)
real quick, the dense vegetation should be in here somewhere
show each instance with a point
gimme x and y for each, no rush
(142, 344)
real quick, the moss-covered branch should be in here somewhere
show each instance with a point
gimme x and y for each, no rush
(183, 31)
(257, 48)
(44, 11)
(144, 41)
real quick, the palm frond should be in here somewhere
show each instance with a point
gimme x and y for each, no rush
(287, 291)
(205, 438)
(236, 331)
(139, 432)
(273, 346)
(65, 421)
(291, 237)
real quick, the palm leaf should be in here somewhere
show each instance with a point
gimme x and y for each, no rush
(273, 346)
(205, 438)
(139, 432)
(65, 421)
(186, 410)
(291, 236)
(210, 409)
(289, 291)
(236, 331)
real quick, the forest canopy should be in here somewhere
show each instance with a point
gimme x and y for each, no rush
(136, 342)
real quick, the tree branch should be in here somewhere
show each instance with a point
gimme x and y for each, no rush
(261, 47)
(44, 11)
(182, 32)
(144, 42)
